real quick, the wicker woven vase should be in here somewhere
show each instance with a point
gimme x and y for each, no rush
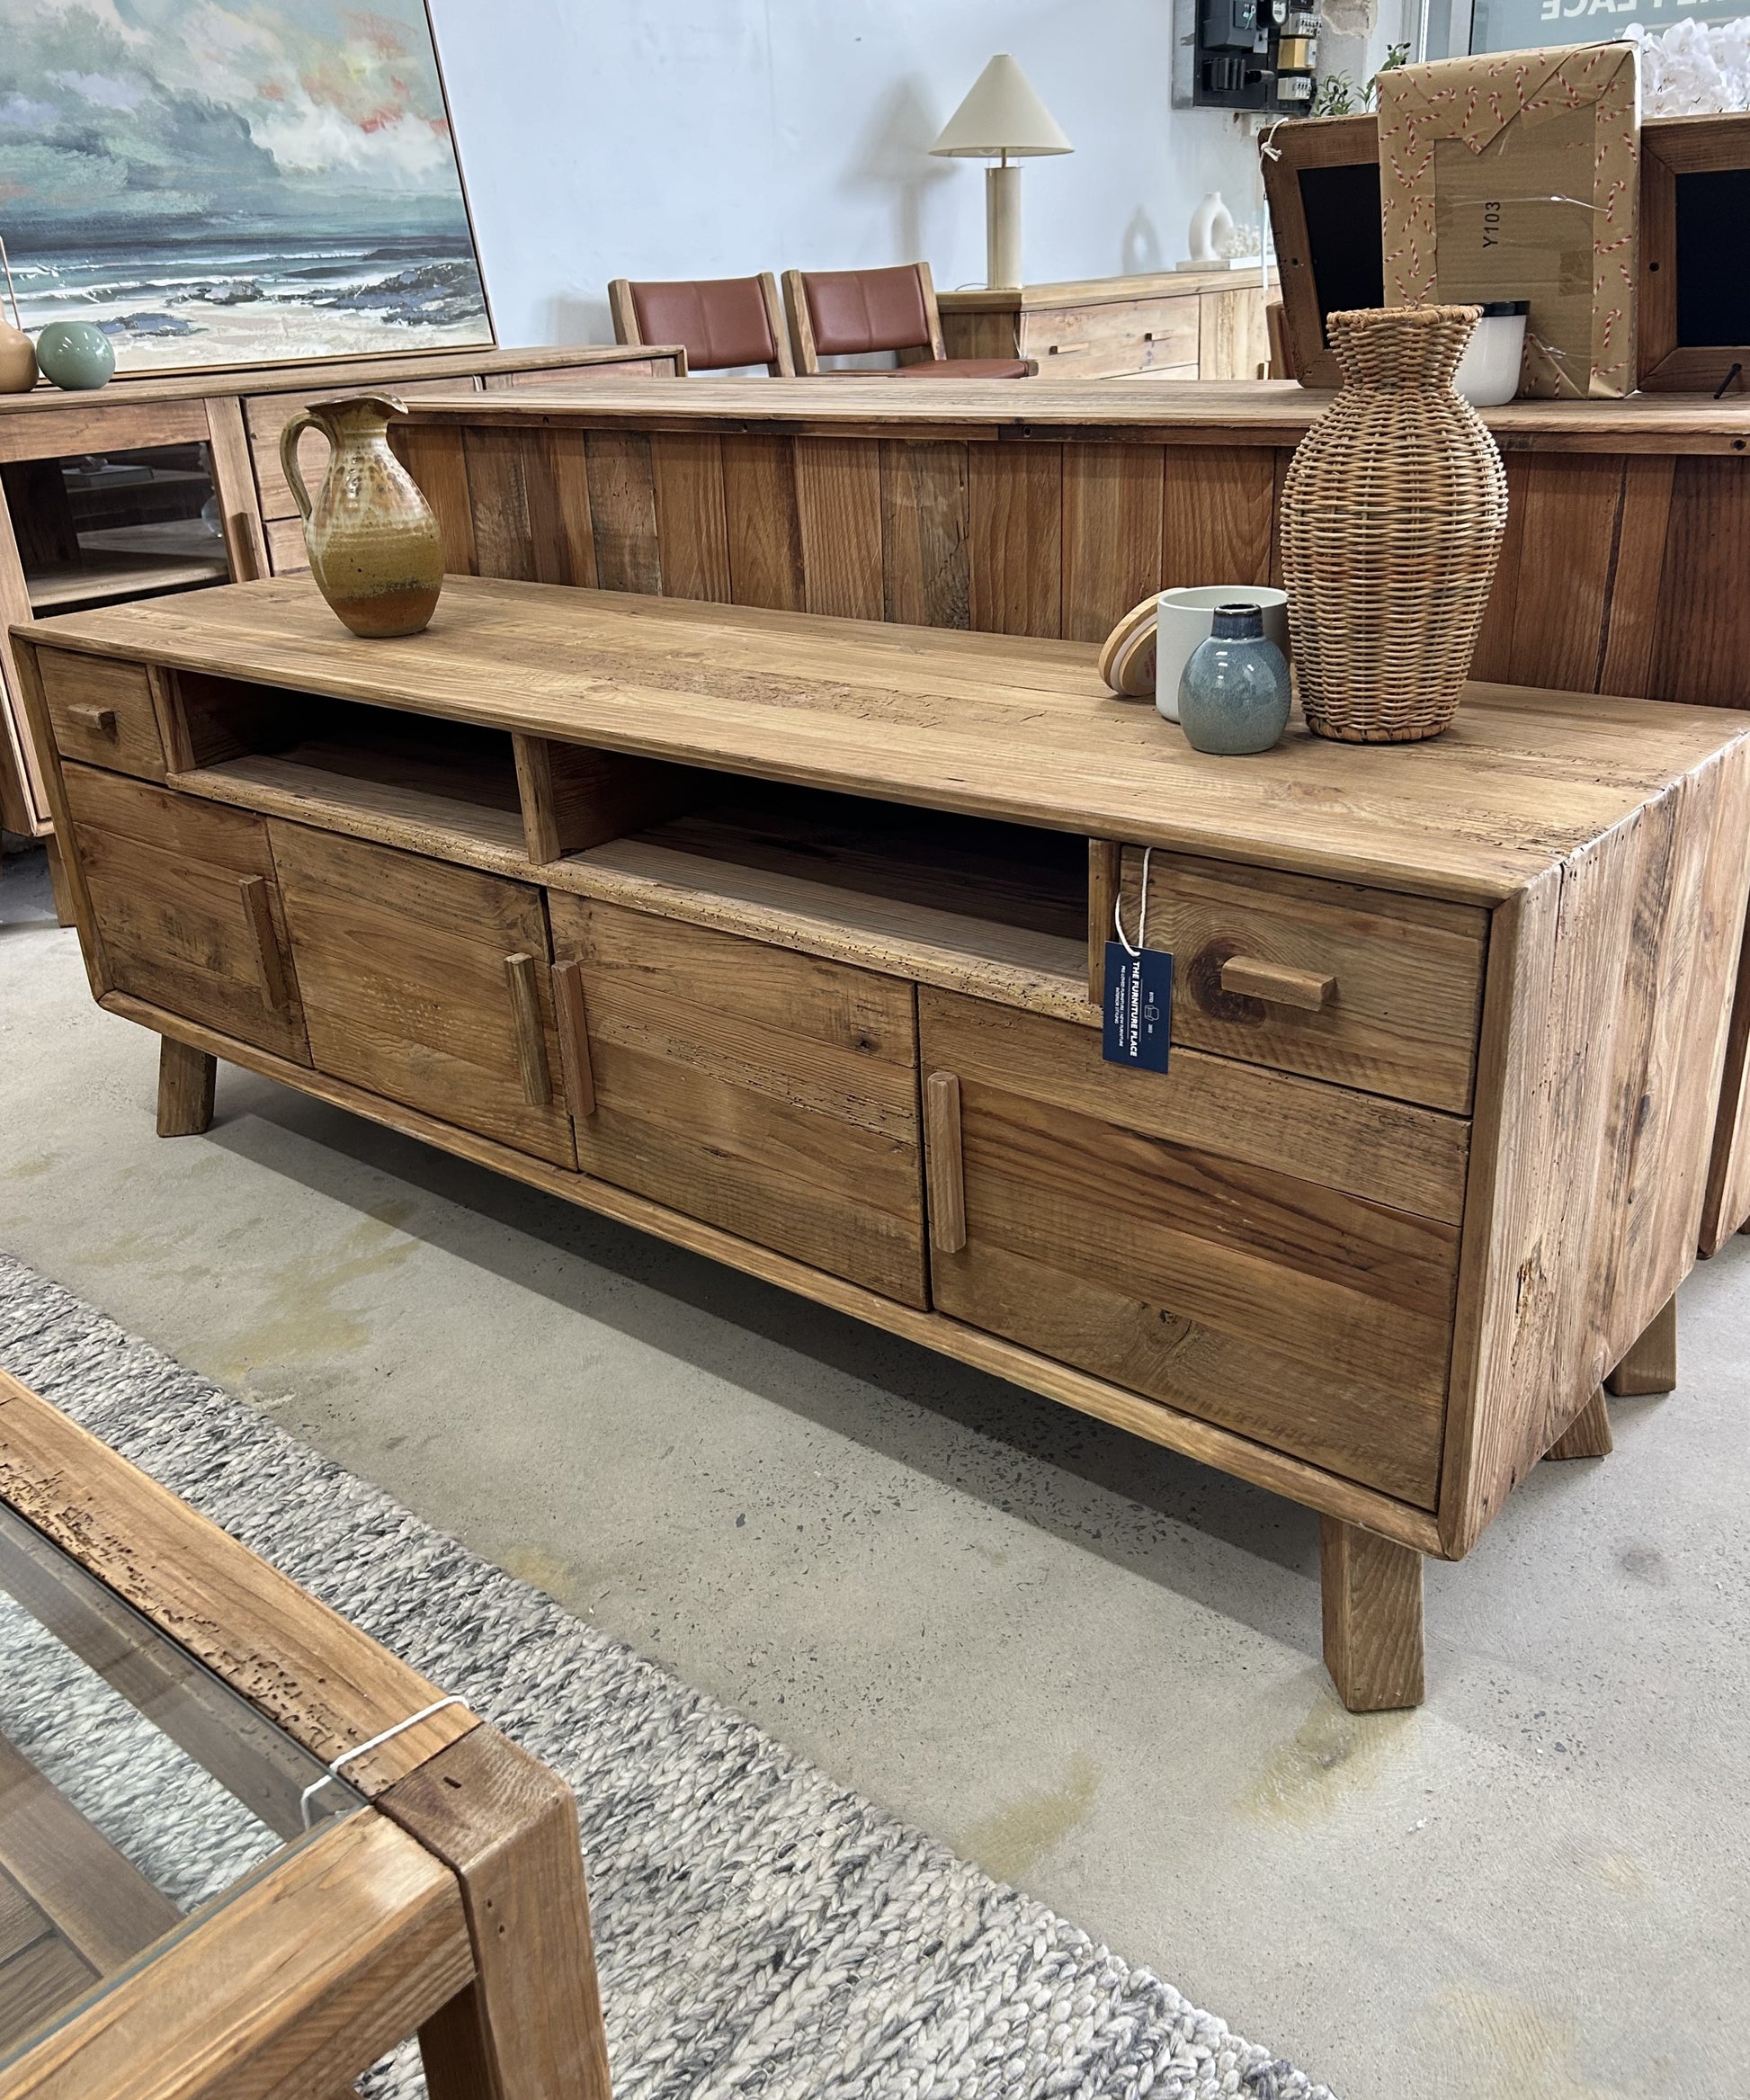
(1392, 518)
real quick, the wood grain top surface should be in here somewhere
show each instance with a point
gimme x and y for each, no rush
(340, 373)
(1243, 411)
(1081, 291)
(992, 724)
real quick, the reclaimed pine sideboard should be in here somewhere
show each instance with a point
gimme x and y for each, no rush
(779, 936)
(1014, 509)
(1171, 323)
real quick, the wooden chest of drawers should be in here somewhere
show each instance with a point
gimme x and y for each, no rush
(781, 936)
(1171, 324)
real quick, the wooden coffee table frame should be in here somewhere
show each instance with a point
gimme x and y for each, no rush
(453, 1905)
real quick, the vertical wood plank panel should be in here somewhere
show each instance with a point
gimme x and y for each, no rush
(1015, 538)
(838, 495)
(1701, 649)
(691, 525)
(1217, 508)
(1282, 460)
(766, 534)
(1232, 339)
(432, 454)
(623, 508)
(1493, 658)
(499, 490)
(561, 534)
(1112, 534)
(1632, 609)
(1568, 544)
(923, 533)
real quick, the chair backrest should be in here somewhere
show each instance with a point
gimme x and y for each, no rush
(840, 313)
(719, 321)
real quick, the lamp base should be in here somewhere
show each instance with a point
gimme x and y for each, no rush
(1002, 227)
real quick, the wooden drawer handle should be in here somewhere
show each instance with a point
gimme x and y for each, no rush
(258, 910)
(569, 1012)
(1276, 983)
(87, 715)
(520, 974)
(945, 1171)
(1068, 350)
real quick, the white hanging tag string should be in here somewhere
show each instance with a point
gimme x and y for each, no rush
(1142, 911)
(376, 1742)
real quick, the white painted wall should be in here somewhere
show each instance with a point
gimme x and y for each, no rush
(604, 139)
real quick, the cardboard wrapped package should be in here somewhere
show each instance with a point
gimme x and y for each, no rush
(1516, 176)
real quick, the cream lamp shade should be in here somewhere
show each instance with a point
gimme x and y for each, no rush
(1001, 118)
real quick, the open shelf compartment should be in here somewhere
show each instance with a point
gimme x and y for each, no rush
(439, 787)
(963, 902)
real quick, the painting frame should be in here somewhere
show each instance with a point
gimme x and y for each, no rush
(275, 359)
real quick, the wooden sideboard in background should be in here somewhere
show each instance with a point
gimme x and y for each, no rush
(1050, 511)
(237, 415)
(1173, 324)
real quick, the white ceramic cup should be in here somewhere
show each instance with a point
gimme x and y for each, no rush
(1184, 617)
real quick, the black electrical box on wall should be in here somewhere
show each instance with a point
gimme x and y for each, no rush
(1254, 54)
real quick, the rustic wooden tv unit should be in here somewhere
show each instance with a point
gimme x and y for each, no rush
(777, 935)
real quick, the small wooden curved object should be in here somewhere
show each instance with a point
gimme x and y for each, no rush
(1126, 656)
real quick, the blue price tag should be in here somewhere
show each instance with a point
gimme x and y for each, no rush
(1138, 1016)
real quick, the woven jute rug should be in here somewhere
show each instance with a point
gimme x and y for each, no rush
(760, 1929)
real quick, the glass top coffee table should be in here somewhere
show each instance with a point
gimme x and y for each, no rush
(244, 1849)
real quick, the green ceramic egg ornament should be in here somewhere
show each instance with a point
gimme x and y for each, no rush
(76, 356)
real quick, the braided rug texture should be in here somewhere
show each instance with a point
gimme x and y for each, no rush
(760, 1930)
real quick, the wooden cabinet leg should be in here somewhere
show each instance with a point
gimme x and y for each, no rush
(1588, 1434)
(58, 883)
(185, 1088)
(1373, 1617)
(453, 2049)
(1651, 1364)
(529, 2026)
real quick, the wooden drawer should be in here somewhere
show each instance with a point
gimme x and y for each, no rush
(1252, 949)
(103, 712)
(772, 1094)
(428, 984)
(1078, 343)
(267, 414)
(1272, 1255)
(186, 907)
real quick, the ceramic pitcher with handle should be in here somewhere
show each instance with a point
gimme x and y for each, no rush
(375, 548)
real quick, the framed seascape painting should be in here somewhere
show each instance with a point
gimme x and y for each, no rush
(235, 182)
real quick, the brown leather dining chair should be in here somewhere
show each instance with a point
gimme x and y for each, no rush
(837, 313)
(719, 321)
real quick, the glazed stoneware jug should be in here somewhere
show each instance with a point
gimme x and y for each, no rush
(375, 549)
(1235, 696)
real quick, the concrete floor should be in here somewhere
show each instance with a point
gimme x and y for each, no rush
(1091, 1666)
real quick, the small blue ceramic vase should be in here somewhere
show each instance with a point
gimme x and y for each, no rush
(1234, 697)
(75, 355)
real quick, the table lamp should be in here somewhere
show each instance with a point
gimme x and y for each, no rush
(1000, 118)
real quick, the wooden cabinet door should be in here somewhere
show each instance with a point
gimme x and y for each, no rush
(772, 1094)
(426, 983)
(186, 908)
(1269, 1252)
